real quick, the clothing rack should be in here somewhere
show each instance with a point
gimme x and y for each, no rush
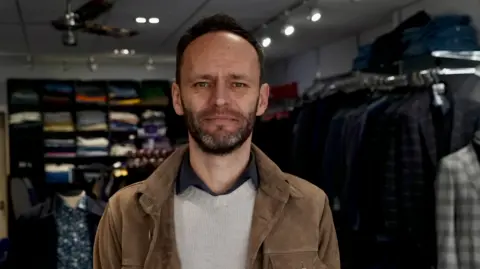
(358, 80)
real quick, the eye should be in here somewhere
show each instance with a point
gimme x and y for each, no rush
(239, 85)
(201, 84)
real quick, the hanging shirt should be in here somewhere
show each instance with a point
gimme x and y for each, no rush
(74, 249)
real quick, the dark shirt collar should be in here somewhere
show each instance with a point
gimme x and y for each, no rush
(187, 177)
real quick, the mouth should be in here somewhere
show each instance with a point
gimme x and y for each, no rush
(221, 118)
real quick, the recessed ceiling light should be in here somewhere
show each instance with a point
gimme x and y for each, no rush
(154, 20)
(140, 20)
(125, 51)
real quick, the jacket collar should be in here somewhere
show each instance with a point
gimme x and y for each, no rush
(160, 184)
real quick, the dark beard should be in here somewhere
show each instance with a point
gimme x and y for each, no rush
(226, 144)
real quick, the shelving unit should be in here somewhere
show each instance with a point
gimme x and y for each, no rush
(27, 147)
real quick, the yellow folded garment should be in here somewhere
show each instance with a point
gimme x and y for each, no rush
(58, 128)
(93, 127)
(132, 101)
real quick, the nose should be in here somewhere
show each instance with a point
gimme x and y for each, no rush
(220, 94)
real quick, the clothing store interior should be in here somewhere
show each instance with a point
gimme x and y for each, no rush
(376, 102)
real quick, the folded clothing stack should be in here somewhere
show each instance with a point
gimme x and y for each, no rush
(24, 97)
(155, 95)
(90, 95)
(57, 93)
(122, 149)
(161, 143)
(60, 148)
(25, 119)
(91, 121)
(59, 174)
(446, 32)
(363, 57)
(92, 147)
(153, 125)
(123, 121)
(58, 122)
(123, 95)
(153, 130)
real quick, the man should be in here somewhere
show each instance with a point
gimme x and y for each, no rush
(218, 202)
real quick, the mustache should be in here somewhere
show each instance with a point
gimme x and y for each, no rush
(220, 112)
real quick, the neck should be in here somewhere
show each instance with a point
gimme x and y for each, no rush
(220, 173)
(72, 200)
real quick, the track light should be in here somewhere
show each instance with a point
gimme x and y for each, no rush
(150, 65)
(92, 65)
(288, 30)
(266, 41)
(315, 15)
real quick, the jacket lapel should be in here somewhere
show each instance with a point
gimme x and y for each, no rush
(271, 199)
(157, 201)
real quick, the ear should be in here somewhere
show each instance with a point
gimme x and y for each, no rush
(177, 99)
(263, 99)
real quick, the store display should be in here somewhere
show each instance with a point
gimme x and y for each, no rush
(79, 123)
(373, 143)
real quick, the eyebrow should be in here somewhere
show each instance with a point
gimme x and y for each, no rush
(235, 76)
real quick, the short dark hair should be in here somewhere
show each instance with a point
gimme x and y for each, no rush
(217, 22)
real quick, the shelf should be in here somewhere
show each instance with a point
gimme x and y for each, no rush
(85, 159)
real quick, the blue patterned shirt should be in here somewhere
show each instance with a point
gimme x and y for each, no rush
(74, 248)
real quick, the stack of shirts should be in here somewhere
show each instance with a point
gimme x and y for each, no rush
(58, 122)
(92, 121)
(153, 125)
(92, 147)
(90, 95)
(59, 173)
(154, 130)
(60, 148)
(123, 121)
(122, 149)
(24, 97)
(155, 95)
(123, 96)
(446, 32)
(57, 93)
(25, 119)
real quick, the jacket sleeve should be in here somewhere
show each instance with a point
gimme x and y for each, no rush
(445, 217)
(328, 248)
(107, 249)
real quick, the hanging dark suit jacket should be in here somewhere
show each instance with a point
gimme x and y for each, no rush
(418, 133)
(34, 236)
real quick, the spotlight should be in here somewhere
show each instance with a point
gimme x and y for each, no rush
(150, 65)
(288, 30)
(92, 65)
(266, 42)
(141, 20)
(154, 20)
(315, 15)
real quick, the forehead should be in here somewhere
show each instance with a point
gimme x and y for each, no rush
(220, 51)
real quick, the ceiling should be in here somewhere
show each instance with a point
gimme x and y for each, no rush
(26, 30)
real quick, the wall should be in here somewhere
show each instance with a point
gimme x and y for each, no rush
(337, 57)
(165, 71)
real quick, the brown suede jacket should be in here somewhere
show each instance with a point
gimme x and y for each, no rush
(292, 223)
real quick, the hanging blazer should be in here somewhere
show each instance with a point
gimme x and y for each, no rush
(458, 210)
(34, 236)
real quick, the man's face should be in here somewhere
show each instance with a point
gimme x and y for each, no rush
(220, 93)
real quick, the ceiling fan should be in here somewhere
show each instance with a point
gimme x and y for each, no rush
(82, 18)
